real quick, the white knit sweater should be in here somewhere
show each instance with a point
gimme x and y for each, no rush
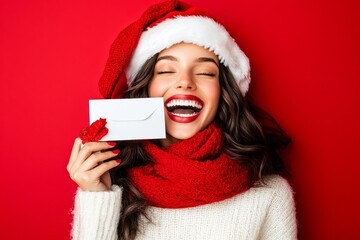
(265, 212)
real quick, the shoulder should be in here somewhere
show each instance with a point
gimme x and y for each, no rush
(280, 221)
(274, 188)
(275, 184)
(277, 194)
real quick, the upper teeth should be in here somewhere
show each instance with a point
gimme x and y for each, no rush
(177, 102)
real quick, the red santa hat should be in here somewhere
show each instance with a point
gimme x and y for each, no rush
(160, 27)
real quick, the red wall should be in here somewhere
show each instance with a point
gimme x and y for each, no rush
(303, 56)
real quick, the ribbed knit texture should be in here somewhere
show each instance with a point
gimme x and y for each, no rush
(96, 214)
(265, 212)
(190, 172)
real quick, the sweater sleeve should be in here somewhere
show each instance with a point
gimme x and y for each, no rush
(280, 223)
(96, 214)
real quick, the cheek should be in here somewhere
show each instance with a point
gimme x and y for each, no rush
(156, 88)
(213, 94)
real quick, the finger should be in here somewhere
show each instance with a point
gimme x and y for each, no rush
(104, 167)
(74, 153)
(86, 151)
(92, 147)
(96, 159)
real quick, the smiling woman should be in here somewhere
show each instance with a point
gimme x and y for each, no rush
(187, 76)
(216, 175)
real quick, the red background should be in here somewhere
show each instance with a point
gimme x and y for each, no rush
(305, 61)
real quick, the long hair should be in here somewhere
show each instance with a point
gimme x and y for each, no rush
(252, 137)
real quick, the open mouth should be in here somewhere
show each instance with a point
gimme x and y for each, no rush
(184, 107)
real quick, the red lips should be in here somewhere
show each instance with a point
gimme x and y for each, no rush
(184, 108)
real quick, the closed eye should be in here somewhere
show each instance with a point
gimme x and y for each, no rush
(164, 72)
(207, 74)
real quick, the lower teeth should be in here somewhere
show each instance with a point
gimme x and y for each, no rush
(185, 114)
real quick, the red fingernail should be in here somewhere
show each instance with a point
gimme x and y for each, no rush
(116, 151)
(118, 160)
(112, 144)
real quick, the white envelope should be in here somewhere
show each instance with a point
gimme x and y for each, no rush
(130, 119)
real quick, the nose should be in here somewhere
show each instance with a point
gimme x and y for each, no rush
(185, 82)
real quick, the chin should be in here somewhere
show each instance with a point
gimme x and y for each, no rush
(182, 133)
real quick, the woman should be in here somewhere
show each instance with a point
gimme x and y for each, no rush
(217, 173)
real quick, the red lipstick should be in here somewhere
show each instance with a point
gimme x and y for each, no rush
(184, 108)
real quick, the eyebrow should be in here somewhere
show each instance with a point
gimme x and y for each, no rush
(207, 59)
(201, 59)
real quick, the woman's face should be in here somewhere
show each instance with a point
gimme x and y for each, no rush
(187, 77)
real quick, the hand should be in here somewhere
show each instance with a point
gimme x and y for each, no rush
(87, 168)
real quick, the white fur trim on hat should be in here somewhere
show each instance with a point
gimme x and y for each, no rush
(199, 30)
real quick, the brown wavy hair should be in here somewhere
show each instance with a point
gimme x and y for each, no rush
(252, 137)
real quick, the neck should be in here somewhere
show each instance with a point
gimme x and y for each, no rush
(168, 141)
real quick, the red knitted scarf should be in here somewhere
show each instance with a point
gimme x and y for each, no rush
(189, 173)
